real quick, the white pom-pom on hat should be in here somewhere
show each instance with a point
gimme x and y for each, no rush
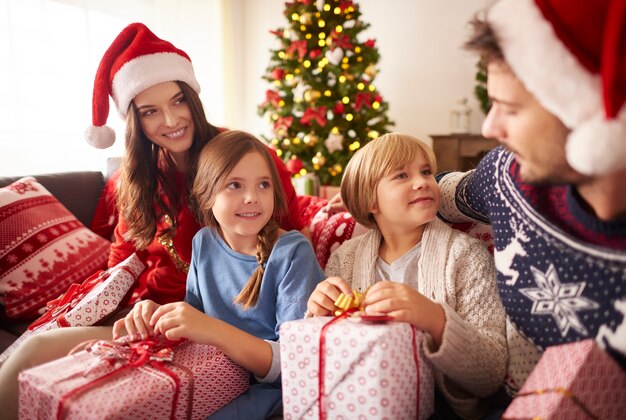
(100, 137)
(598, 146)
(136, 60)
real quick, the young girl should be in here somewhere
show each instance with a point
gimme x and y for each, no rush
(420, 270)
(247, 276)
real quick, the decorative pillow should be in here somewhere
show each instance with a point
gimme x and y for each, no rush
(43, 248)
(328, 231)
(478, 230)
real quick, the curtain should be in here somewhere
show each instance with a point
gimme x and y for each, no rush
(49, 53)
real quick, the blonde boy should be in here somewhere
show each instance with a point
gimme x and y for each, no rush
(419, 270)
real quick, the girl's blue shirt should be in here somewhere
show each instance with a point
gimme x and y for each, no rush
(217, 274)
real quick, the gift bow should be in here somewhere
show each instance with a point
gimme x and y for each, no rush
(352, 305)
(57, 308)
(130, 355)
(135, 354)
(349, 303)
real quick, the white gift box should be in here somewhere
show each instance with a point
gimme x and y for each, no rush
(370, 370)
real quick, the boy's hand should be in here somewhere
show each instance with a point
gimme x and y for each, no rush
(322, 300)
(137, 321)
(404, 303)
(181, 320)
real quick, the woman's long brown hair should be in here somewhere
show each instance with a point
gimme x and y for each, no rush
(217, 160)
(147, 190)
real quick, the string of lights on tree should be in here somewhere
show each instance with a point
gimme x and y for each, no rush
(323, 105)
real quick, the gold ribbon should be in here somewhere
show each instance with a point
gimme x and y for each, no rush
(351, 301)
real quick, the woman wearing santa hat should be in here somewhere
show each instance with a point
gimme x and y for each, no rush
(155, 90)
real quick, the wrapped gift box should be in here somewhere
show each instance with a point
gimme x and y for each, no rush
(186, 381)
(371, 370)
(572, 381)
(308, 184)
(86, 303)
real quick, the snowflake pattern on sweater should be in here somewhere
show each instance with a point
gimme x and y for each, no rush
(561, 272)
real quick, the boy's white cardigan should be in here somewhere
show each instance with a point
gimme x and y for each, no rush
(458, 272)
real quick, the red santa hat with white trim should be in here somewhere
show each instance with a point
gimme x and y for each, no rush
(136, 60)
(571, 55)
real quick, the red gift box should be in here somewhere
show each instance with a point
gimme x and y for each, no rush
(572, 381)
(119, 380)
(369, 370)
(86, 303)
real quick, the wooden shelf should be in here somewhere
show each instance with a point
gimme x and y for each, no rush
(460, 152)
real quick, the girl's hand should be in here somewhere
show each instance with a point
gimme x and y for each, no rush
(181, 320)
(322, 300)
(137, 321)
(335, 205)
(404, 303)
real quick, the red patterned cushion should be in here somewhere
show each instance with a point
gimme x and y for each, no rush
(43, 248)
(328, 231)
(477, 230)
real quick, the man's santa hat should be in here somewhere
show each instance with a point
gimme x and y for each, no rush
(571, 55)
(136, 60)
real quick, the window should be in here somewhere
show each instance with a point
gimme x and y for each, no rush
(50, 51)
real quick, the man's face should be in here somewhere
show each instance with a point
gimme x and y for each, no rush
(534, 135)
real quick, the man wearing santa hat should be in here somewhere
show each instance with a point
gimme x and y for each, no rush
(554, 191)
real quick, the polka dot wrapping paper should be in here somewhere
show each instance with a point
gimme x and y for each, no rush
(198, 381)
(572, 381)
(371, 370)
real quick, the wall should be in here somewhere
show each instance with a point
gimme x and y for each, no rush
(423, 70)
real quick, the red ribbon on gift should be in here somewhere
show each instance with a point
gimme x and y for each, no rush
(130, 355)
(57, 308)
(322, 363)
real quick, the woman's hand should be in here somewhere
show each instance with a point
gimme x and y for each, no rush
(335, 205)
(404, 303)
(181, 320)
(137, 322)
(322, 300)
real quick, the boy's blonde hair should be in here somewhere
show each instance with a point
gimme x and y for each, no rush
(370, 164)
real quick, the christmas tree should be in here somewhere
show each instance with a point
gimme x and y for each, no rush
(323, 105)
